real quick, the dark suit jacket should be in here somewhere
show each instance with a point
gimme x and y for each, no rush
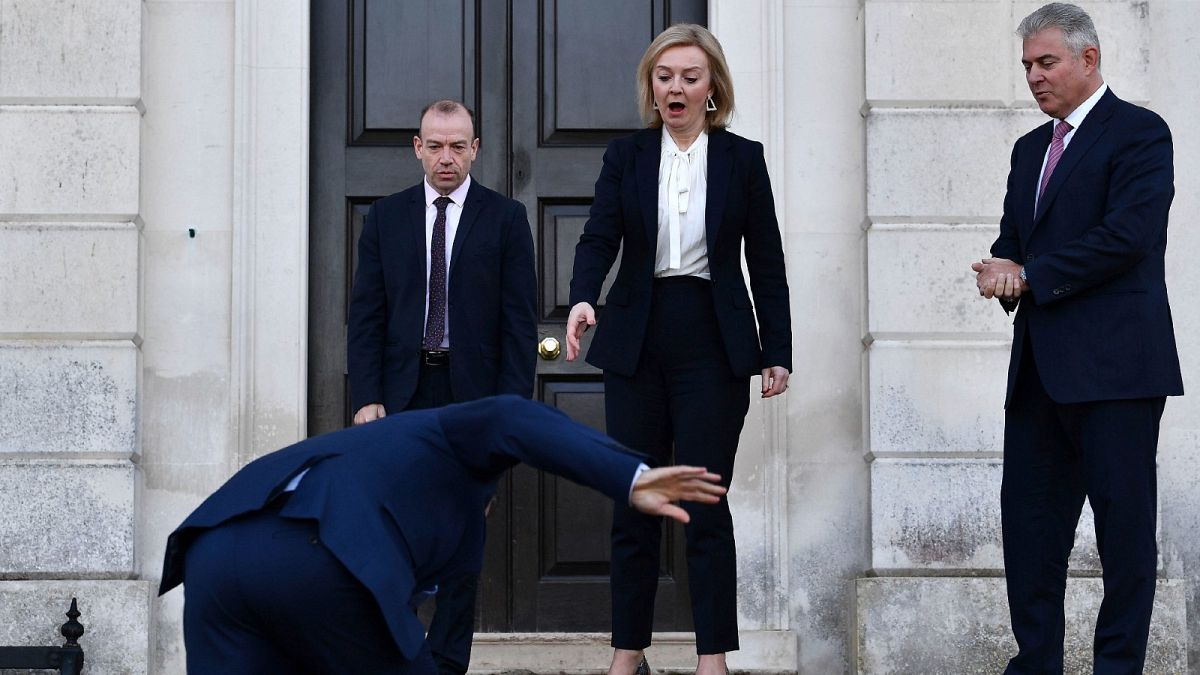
(491, 292)
(739, 209)
(400, 501)
(1097, 315)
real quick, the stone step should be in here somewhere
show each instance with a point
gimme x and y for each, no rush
(763, 652)
(656, 671)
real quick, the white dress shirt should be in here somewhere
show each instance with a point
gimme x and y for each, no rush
(682, 196)
(1074, 119)
(453, 215)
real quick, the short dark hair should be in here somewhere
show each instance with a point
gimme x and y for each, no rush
(448, 107)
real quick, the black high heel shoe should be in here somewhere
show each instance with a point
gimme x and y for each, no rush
(643, 668)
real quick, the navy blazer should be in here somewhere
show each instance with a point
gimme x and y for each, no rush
(739, 209)
(491, 293)
(1096, 314)
(400, 501)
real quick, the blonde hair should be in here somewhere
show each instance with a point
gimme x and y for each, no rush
(687, 35)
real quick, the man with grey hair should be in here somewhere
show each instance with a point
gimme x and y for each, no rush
(1081, 258)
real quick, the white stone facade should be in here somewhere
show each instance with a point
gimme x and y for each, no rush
(153, 267)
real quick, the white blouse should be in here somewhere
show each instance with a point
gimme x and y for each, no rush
(682, 194)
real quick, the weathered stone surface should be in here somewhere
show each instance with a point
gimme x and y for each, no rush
(821, 176)
(1175, 25)
(935, 52)
(941, 165)
(69, 398)
(944, 514)
(960, 626)
(820, 142)
(78, 161)
(66, 519)
(115, 616)
(761, 652)
(937, 396)
(919, 280)
(189, 66)
(69, 278)
(65, 51)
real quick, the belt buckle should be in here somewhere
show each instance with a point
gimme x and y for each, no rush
(436, 357)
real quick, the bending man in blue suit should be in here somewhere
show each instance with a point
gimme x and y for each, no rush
(1081, 249)
(312, 558)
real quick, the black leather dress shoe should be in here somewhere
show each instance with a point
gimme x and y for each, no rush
(643, 668)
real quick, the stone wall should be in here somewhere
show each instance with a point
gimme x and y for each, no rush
(945, 100)
(70, 327)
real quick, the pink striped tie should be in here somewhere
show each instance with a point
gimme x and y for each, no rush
(1056, 151)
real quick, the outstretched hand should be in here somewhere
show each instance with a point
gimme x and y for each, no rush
(657, 489)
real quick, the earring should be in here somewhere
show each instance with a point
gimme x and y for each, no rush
(656, 105)
(710, 105)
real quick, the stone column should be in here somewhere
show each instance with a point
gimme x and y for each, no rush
(70, 326)
(801, 485)
(1174, 92)
(946, 99)
(225, 200)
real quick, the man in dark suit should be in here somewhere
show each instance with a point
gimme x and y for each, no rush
(312, 558)
(1080, 256)
(442, 310)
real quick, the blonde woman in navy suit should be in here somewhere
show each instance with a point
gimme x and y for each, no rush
(678, 340)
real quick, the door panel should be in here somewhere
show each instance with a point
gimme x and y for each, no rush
(436, 39)
(588, 110)
(551, 82)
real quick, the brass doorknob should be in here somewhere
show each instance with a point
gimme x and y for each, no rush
(549, 349)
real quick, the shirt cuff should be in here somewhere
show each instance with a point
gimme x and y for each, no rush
(636, 475)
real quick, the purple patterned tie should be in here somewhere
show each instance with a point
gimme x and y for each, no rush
(1056, 151)
(435, 322)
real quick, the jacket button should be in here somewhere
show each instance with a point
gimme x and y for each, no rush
(1029, 257)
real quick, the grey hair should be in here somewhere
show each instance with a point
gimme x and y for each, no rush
(1077, 28)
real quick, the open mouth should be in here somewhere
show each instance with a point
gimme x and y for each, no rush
(676, 107)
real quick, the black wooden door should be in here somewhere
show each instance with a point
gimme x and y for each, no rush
(551, 82)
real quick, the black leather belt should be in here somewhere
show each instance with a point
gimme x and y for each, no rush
(435, 357)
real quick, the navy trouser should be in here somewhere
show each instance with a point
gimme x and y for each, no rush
(1055, 455)
(684, 396)
(263, 595)
(453, 626)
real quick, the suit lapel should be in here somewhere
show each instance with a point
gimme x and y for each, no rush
(416, 231)
(1085, 137)
(466, 221)
(1028, 171)
(720, 165)
(647, 153)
